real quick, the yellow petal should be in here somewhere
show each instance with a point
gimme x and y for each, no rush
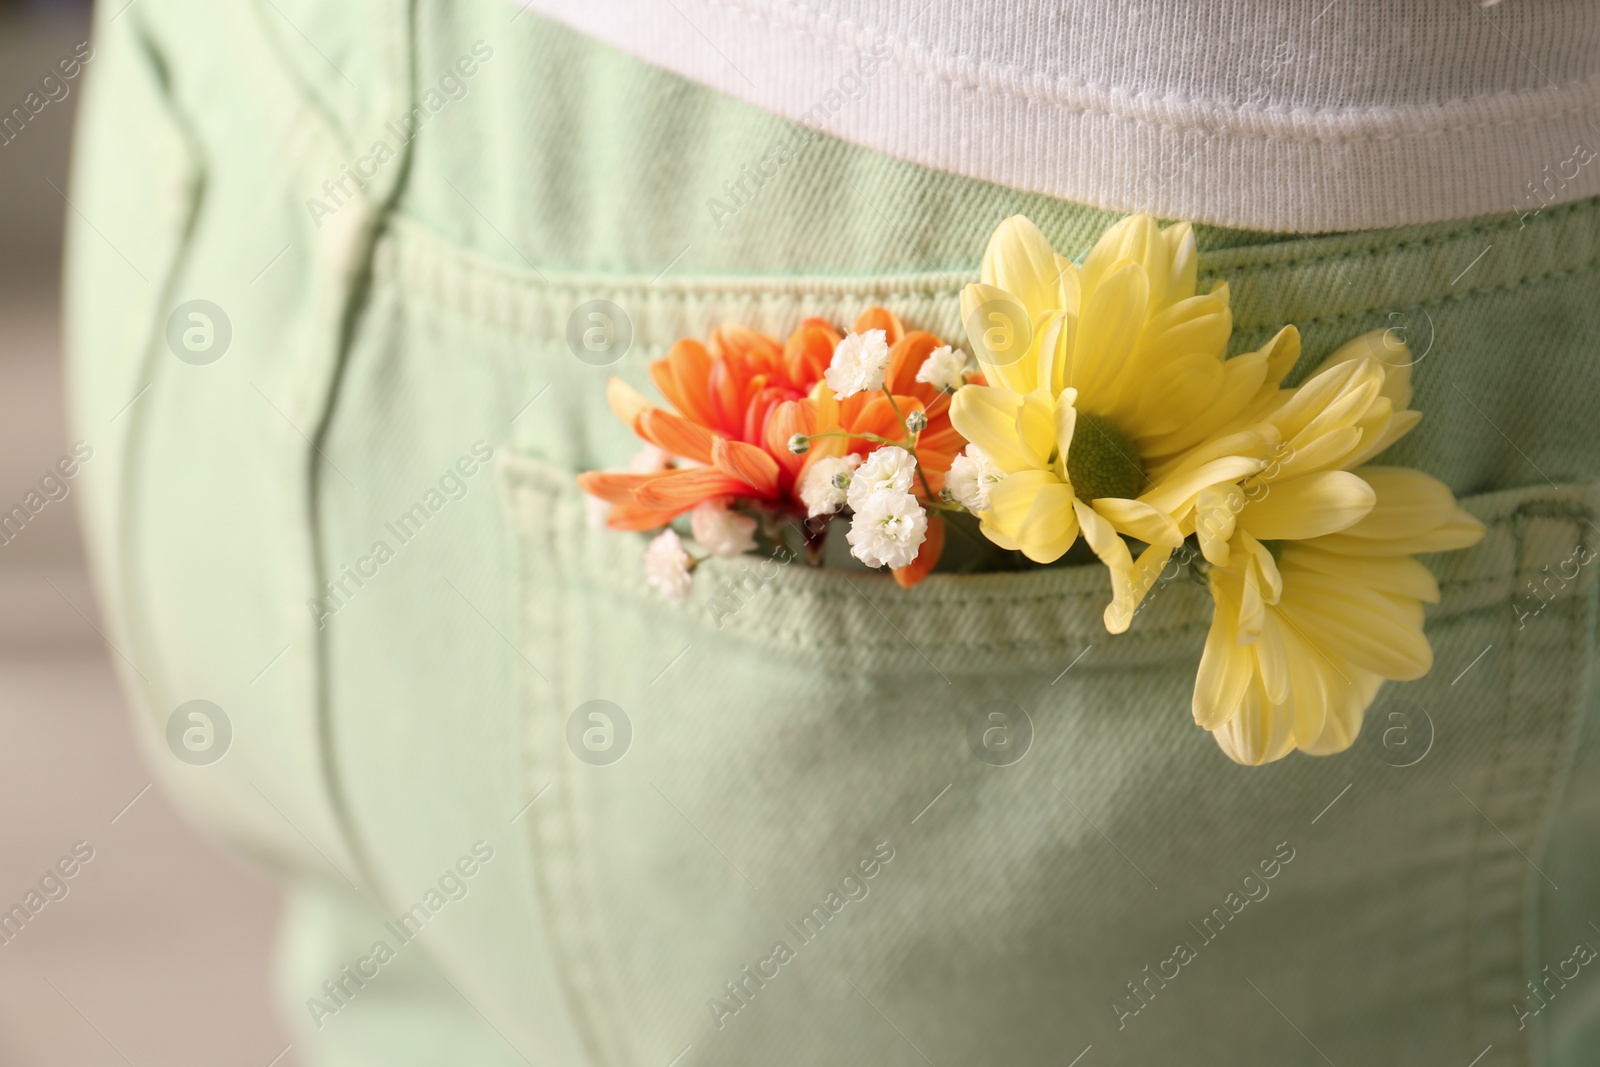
(986, 415)
(1308, 687)
(1347, 703)
(1036, 427)
(1352, 625)
(1408, 503)
(1216, 515)
(1134, 239)
(1252, 609)
(1112, 315)
(1011, 499)
(1052, 347)
(1273, 662)
(1396, 575)
(1337, 398)
(1127, 595)
(1185, 261)
(1173, 494)
(1242, 379)
(995, 534)
(1461, 531)
(1282, 352)
(1331, 450)
(1311, 506)
(1265, 567)
(1066, 420)
(1260, 733)
(1051, 525)
(1385, 348)
(1140, 521)
(1376, 439)
(1000, 331)
(1200, 324)
(1173, 395)
(1019, 260)
(1111, 549)
(1259, 442)
(1225, 668)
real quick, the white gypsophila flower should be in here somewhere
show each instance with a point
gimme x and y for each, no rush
(887, 529)
(972, 475)
(889, 469)
(859, 363)
(649, 460)
(666, 565)
(945, 368)
(722, 531)
(825, 484)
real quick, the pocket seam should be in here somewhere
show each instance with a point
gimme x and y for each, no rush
(1524, 786)
(608, 558)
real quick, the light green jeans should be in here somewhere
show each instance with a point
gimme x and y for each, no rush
(353, 529)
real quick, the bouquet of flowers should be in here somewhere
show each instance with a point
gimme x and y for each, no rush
(1099, 403)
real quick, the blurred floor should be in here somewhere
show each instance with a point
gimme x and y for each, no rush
(160, 951)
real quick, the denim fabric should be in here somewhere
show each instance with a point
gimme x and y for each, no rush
(399, 374)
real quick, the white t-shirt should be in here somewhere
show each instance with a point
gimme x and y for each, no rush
(1271, 114)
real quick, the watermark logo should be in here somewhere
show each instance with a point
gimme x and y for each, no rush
(51, 89)
(740, 990)
(850, 86)
(1000, 331)
(453, 885)
(1580, 557)
(1399, 732)
(51, 888)
(452, 85)
(199, 332)
(599, 332)
(54, 486)
(199, 732)
(999, 733)
(599, 732)
(348, 579)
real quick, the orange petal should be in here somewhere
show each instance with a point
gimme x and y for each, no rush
(745, 345)
(637, 517)
(789, 418)
(936, 448)
(927, 556)
(613, 486)
(756, 471)
(626, 401)
(905, 359)
(880, 318)
(724, 390)
(674, 434)
(678, 491)
(878, 416)
(825, 420)
(808, 352)
(681, 378)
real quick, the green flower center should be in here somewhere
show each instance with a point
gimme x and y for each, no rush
(1101, 461)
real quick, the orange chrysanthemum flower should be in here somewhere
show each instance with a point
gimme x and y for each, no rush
(741, 399)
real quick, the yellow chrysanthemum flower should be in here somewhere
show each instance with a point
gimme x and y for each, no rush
(1108, 395)
(1317, 595)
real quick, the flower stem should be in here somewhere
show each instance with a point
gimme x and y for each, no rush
(909, 444)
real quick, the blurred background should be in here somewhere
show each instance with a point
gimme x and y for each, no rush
(160, 952)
